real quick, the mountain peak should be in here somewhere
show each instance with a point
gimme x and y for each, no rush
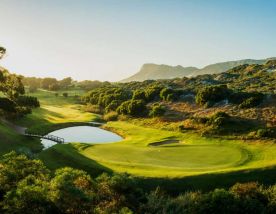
(151, 71)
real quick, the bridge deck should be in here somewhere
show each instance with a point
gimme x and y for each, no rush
(47, 137)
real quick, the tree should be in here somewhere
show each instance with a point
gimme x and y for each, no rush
(29, 196)
(157, 110)
(117, 192)
(66, 82)
(12, 86)
(16, 167)
(28, 101)
(49, 83)
(139, 95)
(7, 105)
(211, 94)
(132, 107)
(65, 94)
(72, 190)
(2, 52)
(167, 94)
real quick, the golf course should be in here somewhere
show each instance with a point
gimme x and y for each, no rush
(144, 151)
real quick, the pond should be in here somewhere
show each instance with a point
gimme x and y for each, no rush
(83, 134)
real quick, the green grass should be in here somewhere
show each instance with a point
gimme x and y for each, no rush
(194, 155)
(10, 140)
(194, 163)
(55, 112)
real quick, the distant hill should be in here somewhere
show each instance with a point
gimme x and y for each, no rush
(154, 71)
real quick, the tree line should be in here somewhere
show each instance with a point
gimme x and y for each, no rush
(13, 101)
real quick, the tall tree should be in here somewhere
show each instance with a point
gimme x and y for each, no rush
(2, 52)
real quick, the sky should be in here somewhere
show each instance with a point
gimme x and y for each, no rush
(111, 39)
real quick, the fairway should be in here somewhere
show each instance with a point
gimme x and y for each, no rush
(55, 112)
(192, 155)
(141, 153)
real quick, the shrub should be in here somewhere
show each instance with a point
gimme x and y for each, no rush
(152, 93)
(136, 107)
(28, 101)
(167, 94)
(139, 95)
(219, 119)
(65, 94)
(211, 94)
(92, 108)
(266, 132)
(112, 106)
(157, 110)
(111, 116)
(7, 105)
(252, 101)
(132, 107)
(123, 108)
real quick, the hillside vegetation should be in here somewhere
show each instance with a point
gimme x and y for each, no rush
(155, 72)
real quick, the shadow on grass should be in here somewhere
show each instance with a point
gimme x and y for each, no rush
(67, 155)
(207, 182)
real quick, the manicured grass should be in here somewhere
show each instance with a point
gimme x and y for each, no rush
(10, 140)
(194, 155)
(55, 112)
(194, 163)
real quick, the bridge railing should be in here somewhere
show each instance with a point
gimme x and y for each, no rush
(47, 137)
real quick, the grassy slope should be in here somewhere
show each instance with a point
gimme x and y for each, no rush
(55, 112)
(10, 140)
(196, 163)
(204, 162)
(195, 155)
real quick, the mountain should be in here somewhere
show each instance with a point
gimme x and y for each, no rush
(224, 66)
(154, 71)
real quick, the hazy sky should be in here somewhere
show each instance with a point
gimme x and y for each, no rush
(110, 40)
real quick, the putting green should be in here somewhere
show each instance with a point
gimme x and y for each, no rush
(192, 155)
(185, 157)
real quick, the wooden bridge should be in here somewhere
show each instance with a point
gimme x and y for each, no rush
(47, 137)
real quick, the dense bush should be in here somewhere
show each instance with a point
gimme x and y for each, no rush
(139, 95)
(7, 105)
(218, 119)
(157, 110)
(27, 186)
(153, 93)
(113, 105)
(132, 107)
(92, 108)
(167, 94)
(28, 101)
(111, 116)
(266, 132)
(253, 101)
(211, 94)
